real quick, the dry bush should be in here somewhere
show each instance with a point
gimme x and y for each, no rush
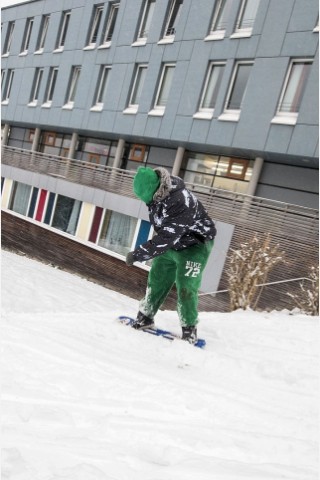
(248, 267)
(307, 300)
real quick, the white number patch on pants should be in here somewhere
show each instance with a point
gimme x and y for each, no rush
(193, 269)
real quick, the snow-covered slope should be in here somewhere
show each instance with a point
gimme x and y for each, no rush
(85, 398)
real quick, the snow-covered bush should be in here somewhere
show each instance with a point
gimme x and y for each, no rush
(248, 267)
(307, 300)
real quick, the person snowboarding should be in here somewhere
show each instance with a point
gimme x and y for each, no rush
(180, 248)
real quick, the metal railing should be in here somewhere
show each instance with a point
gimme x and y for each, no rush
(75, 171)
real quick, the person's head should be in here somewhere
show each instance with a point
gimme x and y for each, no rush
(145, 184)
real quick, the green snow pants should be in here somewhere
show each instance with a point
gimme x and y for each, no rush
(183, 268)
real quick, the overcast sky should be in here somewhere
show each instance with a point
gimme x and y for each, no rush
(5, 3)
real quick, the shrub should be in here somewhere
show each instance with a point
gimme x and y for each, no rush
(248, 267)
(307, 300)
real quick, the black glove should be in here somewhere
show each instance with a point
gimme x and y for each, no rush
(130, 259)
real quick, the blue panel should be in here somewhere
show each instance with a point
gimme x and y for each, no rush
(33, 202)
(143, 232)
(49, 208)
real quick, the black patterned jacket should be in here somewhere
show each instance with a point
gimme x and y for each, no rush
(178, 217)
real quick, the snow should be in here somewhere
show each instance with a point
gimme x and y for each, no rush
(86, 398)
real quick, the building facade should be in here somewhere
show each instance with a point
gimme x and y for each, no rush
(223, 93)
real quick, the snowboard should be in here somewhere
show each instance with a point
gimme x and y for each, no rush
(159, 332)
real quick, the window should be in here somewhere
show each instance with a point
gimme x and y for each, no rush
(145, 21)
(137, 153)
(117, 232)
(210, 91)
(49, 138)
(36, 87)
(63, 30)
(43, 33)
(247, 15)
(236, 92)
(137, 88)
(110, 24)
(8, 40)
(292, 93)
(172, 19)
(20, 196)
(66, 214)
(95, 25)
(163, 90)
(101, 88)
(74, 79)
(8, 86)
(213, 171)
(51, 86)
(26, 36)
(219, 20)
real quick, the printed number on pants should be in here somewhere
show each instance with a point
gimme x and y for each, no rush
(193, 269)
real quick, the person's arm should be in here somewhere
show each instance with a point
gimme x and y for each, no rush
(172, 228)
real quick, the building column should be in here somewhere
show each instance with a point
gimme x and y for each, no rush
(35, 145)
(71, 152)
(119, 152)
(256, 172)
(177, 161)
(36, 139)
(5, 135)
(73, 145)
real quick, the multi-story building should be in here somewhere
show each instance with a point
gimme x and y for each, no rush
(223, 93)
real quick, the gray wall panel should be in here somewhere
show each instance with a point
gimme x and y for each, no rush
(289, 177)
(278, 16)
(305, 199)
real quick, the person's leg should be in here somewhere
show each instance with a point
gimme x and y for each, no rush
(190, 266)
(160, 281)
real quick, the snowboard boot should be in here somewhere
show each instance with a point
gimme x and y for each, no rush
(189, 334)
(142, 321)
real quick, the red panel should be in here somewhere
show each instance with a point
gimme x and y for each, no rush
(41, 204)
(95, 224)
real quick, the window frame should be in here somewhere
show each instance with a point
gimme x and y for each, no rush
(72, 87)
(102, 84)
(26, 36)
(207, 112)
(107, 224)
(8, 40)
(34, 97)
(243, 31)
(49, 138)
(110, 23)
(3, 76)
(136, 86)
(23, 191)
(233, 114)
(8, 86)
(64, 25)
(51, 83)
(56, 217)
(281, 116)
(160, 109)
(137, 152)
(218, 33)
(146, 19)
(42, 33)
(95, 24)
(171, 21)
